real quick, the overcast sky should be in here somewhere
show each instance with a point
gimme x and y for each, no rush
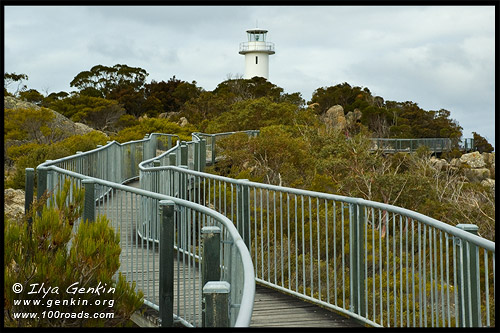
(440, 57)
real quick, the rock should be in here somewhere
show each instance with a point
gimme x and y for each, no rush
(489, 158)
(353, 116)
(474, 160)
(13, 203)
(489, 183)
(183, 122)
(438, 163)
(313, 106)
(455, 163)
(477, 175)
(167, 115)
(334, 118)
(81, 129)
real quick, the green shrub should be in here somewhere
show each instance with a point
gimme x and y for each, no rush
(31, 154)
(47, 254)
(153, 125)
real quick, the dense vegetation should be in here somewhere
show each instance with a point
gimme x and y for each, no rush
(294, 147)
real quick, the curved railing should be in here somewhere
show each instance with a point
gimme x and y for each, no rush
(138, 216)
(381, 264)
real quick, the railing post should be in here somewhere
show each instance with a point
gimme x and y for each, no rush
(184, 153)
(132, 160)
(89, 200)
(167, 263)
(211, 254)
(203, 154)
(29, 190)
(108, 163)
(357, 259)
(119, 162)
(183, 183)
(172, 159)
(145, 150)
(41, 181)
(212, 144)
(243, 219)
(196, 156)
(216, 304)
(183, 194)
(469, 303)
(169, 142)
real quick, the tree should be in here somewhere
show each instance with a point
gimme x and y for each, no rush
(97, 112)
(257, 113)
(235, 90)
(32, 96)
(204, 107)
(481, 144)
(172, 94)
(52, 97)
(9, 78)
(29, 124)
(341, 94)
(102, 80)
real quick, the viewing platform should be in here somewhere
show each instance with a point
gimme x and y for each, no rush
(435, 145)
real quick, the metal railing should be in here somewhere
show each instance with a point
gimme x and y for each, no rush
(381, 264)
(140, 217)
(256, 46)
(436, 145)
(467, 145)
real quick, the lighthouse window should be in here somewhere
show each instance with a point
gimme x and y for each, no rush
(256, 60)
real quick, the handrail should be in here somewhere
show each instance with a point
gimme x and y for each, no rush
(378, 233)
(389, 254)
(474, 239)
(107, 177)
(411, 145)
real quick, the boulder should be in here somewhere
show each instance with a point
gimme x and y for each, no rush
(13, 203)
(183, 122)
(334, 118)
(477, 175)
(81, 129)
(438, 163)
(489, 183)
(166, 115)
(455, 163)
(352, 117)
(489, 158)
(313, 106)
(473, 160)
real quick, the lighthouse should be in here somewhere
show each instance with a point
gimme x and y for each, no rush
(256, 52)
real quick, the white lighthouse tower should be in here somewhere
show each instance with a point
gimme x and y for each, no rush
(256, 52)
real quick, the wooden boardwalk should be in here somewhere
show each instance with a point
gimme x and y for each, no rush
(271, 308)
